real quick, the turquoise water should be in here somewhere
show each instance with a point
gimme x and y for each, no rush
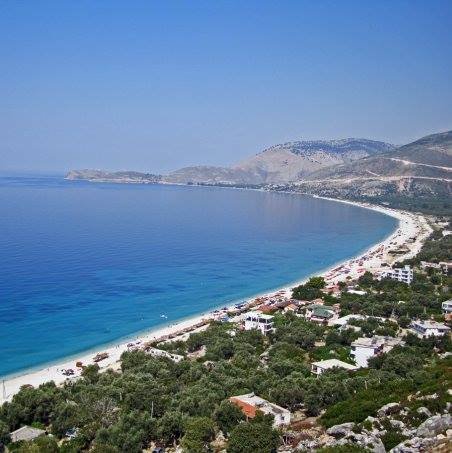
(86, 264)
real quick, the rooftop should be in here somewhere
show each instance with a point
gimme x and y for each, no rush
(332, 363)
(259, 403)
(366, 342)
(322, 312)
(431, 325)
(26, 433)
(315, 305)
(345, 319)
(377, 340)
(257, 314)
(357, 291)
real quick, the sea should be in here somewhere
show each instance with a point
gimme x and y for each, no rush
(86, 264)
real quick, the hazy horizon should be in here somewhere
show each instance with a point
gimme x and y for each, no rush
(159, 86)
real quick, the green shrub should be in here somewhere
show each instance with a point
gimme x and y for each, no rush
(392, 438)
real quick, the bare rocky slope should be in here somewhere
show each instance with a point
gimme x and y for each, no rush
(283, 163)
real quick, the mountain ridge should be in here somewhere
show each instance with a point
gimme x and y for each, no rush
(281, 163)
(428, 156)
(339, 146)
(418, 173)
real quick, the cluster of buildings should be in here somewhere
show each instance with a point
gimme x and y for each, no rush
(314, 311)
(363, 348)
(444, 267)
(405, 274)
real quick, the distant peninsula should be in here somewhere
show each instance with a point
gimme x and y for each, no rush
(116, 176)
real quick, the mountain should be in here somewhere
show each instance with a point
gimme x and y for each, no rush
(414, 175)
(429, 157)
(278, 164)
(283, 163)
(435, 149)
(204, 174)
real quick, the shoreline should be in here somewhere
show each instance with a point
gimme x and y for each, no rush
(411, 232)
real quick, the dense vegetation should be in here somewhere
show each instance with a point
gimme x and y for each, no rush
(154, 401)
(437, 248)
(418, 202)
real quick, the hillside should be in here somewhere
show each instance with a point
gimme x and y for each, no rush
(430, 156)
(435, 149)
(279, 164)
(283, 163)
(417, 175)
(207, 175)
(414, 175)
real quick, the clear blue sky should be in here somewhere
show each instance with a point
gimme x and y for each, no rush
(150, 85)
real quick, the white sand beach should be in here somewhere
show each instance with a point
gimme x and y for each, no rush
(407, 240)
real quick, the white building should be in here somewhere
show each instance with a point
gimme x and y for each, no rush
(425, 329)
(161, 353)
(26, 433)
(259, 321)
(447, 307)
(390, 342)
(401, 274)
(344, 320)
(446, 267)
(442, 266)
(364, 348)
(250, 404)
(357, 292)
(319, 367)
(427, 265)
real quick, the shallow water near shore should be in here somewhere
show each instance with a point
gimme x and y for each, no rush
(85, 264)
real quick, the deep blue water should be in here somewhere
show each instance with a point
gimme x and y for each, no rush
(85, 264)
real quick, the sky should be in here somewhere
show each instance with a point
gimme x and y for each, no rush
(158, 85)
